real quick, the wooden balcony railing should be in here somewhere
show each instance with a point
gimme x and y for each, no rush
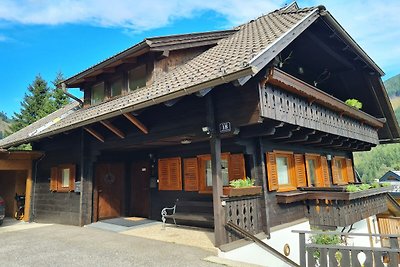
(329, 208)
(285, 98)
(243, 212)
(312, 255)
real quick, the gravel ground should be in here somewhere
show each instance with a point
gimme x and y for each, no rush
(61, 245)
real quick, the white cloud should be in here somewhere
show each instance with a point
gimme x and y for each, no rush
(373, 24)
(133, 15)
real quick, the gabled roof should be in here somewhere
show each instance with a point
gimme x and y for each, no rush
(237, 56)
(390, 176)
(170, 43)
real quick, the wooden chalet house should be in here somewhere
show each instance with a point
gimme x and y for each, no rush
(182, 115)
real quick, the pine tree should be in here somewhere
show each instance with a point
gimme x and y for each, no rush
(35, 105)
(58, 99)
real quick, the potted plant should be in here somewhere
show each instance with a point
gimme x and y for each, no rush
(241, 187)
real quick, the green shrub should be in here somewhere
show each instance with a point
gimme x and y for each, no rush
(354, 103)
(242, 183)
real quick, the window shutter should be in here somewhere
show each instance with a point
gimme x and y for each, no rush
(170, 174)
(335, 172)
(163, 174)
(191, 174)
(300, 168)
(272, 172)
(350, 171)
(236, 167)
(175, 174)
(325, 171)
(72, 174)
(53, 179)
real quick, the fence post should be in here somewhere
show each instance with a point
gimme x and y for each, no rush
(302, 246)
(394, 256)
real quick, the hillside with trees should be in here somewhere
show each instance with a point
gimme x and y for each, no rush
(373, 164)
(4, 124)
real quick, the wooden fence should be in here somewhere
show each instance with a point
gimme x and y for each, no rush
(312, 255)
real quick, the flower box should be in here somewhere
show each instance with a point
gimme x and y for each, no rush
(242, 191)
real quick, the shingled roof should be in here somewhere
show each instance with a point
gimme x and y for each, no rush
(238, 56)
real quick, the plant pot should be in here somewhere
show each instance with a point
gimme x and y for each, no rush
(242, 191)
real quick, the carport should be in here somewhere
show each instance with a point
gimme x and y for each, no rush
(16, 178)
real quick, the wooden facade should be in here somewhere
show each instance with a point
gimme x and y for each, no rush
(272, 124)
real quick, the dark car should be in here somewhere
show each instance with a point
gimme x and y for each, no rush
(2, 210)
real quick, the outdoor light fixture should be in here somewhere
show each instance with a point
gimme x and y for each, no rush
(186, 141)
(329, 157)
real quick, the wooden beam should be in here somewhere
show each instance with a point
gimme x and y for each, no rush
(95, 134)
(285, 132)
(136, 122)
(329, 50)
(129, 60)
(301, 135)
(113, 129)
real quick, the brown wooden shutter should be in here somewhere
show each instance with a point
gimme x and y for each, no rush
(170, 174)
(325, 171)
(175, 174)
(236, 167)
(72, 175)
(54, 179)
(272, 172)
(300, 169)
(350, 171)
(335, 172)
(163, 174)
(191, 174)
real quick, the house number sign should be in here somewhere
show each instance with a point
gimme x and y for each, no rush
(225, 127)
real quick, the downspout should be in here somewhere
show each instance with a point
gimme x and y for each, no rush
(64, 89)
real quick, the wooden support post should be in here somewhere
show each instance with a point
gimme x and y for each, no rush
(215, 143)
(261, 177)
(86, 194)
(28, 194)
(136, 122)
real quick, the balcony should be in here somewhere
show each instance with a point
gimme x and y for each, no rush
(332, 207)
(287, 99)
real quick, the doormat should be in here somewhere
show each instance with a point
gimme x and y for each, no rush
(128, 222)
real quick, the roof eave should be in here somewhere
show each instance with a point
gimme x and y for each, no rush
(350, 41)
(271, 51)
(248, 71)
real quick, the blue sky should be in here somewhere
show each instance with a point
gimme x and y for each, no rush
(45, 36)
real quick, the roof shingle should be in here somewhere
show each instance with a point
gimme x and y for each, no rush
(230, 56)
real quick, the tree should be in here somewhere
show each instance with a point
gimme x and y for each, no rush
(35, 105)
(58, 98)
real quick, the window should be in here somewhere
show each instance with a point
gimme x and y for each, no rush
(342, 171)
(314, 170)
(137, 77)
(97, 95)
(63, 178)
(287, 171)
(281, 171)
(116, 87)
(232, 167)
(169, 174)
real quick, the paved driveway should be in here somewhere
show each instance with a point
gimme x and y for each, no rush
(60, 245)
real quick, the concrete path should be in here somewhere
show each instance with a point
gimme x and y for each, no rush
(60, 245)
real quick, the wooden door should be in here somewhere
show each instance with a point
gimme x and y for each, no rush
(109, 189)
(140, 189)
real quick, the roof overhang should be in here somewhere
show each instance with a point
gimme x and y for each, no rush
(20, 155)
